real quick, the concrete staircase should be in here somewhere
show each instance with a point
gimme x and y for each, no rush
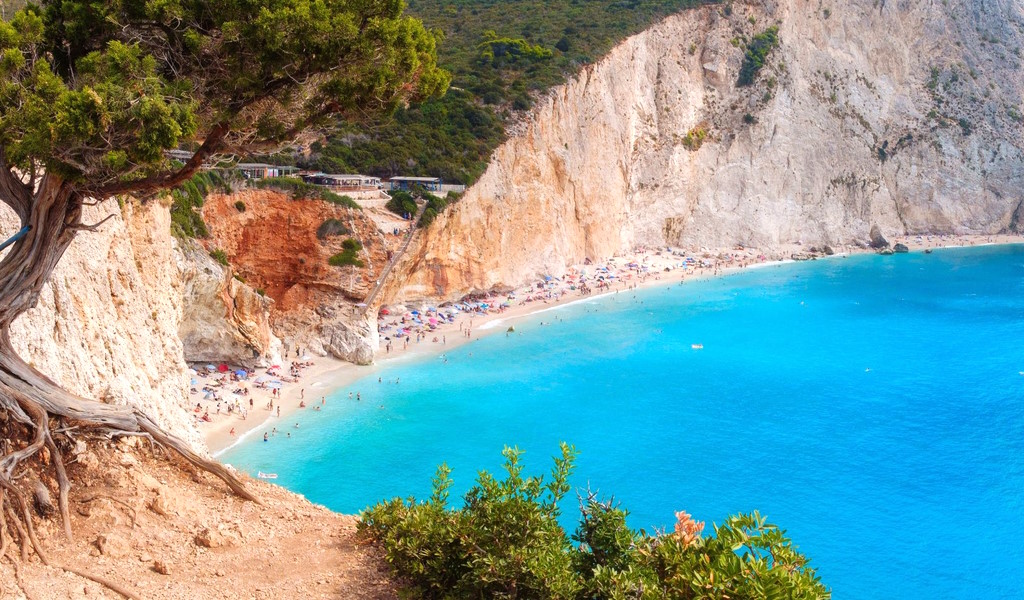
(394, 260)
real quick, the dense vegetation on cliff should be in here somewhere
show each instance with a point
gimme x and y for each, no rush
(506, 542)
(501, 53)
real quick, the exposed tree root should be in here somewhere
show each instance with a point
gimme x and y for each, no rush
(50, 211)
(94, 497)
(17, 575)
(115, 587)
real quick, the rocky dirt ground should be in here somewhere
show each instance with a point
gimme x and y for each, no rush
(161, 529)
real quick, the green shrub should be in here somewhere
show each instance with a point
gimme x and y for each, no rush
(349, 254)
(695, 138)
(757, 51)
(187, 200)
(240, 206)
(330, 228)
(402, 203)
(433, 208)
(505, 541)
(261, 291)
(219, 256)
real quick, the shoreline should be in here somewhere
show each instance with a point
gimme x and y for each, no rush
(327, 374)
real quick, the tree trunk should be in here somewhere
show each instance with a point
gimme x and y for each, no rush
(54, 218)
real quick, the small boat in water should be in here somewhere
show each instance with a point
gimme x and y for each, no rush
(263, 475)
(697, 346)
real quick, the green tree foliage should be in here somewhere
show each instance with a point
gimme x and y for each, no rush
(402, 203)
(757, 51)
(349, 254)
(435, 205)
(498, 52)
(535, 44)
(97, 91)
(505, 541)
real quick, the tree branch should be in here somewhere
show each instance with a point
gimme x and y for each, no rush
(211, 145)
(94, 226)
(14, 192)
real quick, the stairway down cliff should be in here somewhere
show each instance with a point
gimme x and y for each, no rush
(904, 115)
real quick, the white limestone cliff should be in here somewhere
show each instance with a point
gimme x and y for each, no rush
(128, 304)
(106, 324)
(905, 115)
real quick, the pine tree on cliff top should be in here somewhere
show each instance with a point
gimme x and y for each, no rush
(92, 94)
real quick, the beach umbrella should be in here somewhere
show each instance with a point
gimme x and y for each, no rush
(276, 385)
(193, 372)
(262, 378)
(305, 357)
(211, 367)
(385, 311)
(242, 373)
(415, 312)
(547, 278)
(432, 320)
(194, 381)
(223, 368)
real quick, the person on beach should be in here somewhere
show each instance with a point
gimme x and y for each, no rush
(266, 438)
(302, 393)
(323, 400)
(232, 432)
(302, 404)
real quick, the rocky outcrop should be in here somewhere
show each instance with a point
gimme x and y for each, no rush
(878, 240)
(106, 325)
(904, 115)
(224, 319)
(273, 245)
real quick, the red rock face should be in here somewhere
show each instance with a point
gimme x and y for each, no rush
(274, 247)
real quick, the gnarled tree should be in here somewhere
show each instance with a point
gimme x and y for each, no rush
(92, 95)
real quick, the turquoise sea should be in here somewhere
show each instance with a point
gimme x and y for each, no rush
(872, 406)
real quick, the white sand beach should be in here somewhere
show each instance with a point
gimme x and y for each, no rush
(410, 331)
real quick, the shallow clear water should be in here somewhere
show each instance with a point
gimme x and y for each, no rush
(872, 406)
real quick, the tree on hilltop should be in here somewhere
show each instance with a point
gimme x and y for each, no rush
(92, 95)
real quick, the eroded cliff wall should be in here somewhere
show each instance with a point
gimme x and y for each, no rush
(128, 304)
(106, 324)
(902, 114)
